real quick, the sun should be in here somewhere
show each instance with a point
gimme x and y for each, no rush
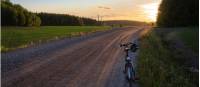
(151, 10)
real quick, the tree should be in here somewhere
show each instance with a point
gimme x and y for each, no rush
(29, 17)
(178, 13)
(16, 15)
(36, 20)
(81, 22)
(9, 14)
(21, 17)
(64, 20)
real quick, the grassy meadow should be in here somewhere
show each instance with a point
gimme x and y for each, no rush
(159, 66)
(20, 37)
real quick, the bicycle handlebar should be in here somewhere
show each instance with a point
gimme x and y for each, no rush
(126, 44)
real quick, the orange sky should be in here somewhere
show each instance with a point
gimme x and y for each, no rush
(140, 10)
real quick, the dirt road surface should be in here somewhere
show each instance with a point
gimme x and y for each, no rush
(90, 61)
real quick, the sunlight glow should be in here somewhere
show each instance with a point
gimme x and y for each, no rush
(138, 10)
(151, 10)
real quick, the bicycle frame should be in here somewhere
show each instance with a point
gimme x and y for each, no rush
(128, 65)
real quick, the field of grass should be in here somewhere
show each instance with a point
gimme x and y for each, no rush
(158, 66)
(20, 37)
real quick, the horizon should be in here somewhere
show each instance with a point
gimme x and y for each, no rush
(133, 10)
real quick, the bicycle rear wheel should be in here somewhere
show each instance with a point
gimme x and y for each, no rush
(129, 76)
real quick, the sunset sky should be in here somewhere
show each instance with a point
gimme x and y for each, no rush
(139, 10)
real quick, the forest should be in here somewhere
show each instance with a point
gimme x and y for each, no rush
(16, 15)
(174, 13)
(64, 20)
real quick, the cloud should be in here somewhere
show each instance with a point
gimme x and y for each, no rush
(104, 7)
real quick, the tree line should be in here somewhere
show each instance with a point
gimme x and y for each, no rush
(16, 15)
(178, 13)
(64, 19)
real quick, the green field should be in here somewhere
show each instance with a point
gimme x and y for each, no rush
(20, 37)
(159, 66)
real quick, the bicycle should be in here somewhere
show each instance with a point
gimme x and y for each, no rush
(129, 70)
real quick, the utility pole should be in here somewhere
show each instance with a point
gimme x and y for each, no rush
(98, 18)
(101, 20)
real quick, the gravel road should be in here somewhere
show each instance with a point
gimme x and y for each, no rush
(95, 60)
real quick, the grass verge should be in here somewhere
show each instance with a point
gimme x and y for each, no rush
(20, 37)
(157, 65)
(190, 38)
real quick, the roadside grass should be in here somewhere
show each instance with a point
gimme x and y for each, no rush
(190, 38)
(158, 66)
(20, 37)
